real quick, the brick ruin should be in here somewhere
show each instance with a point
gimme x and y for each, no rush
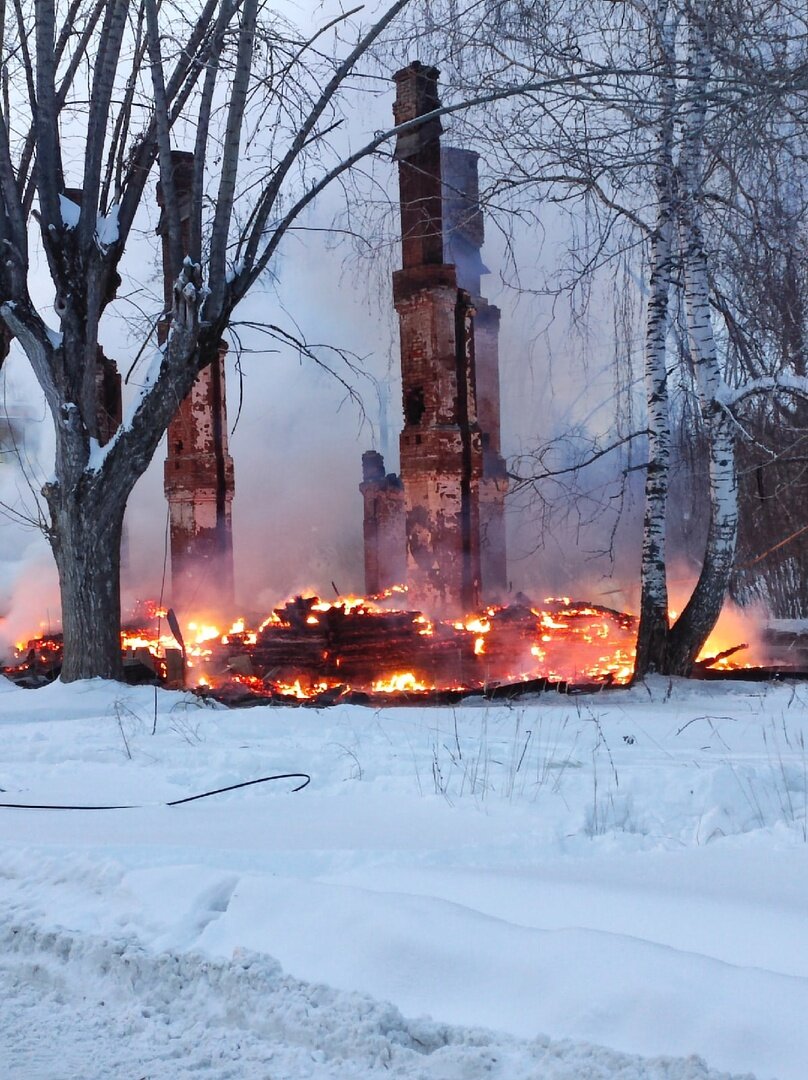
(439, 526)
(385, 533)
(449, 502)
(463, 236)
(199, 479)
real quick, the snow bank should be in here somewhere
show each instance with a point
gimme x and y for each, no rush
(114, 1010)
(623, 870)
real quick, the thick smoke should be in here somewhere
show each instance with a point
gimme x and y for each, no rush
(300, 432)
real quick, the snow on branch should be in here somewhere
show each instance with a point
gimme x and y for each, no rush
(729, 396)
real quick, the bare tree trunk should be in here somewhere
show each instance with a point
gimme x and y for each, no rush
(652, 633)
(696, 622)
(86, 542)
(694, 625)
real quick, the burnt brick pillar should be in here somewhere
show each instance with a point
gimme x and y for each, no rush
(441, 449)
(199, 479)
(384, 526)
(463, 237)
(494, 483)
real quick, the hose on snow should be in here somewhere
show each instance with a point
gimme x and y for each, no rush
(174, 802)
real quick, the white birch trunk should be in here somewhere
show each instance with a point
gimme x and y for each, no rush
(702, 610)
(653, 626)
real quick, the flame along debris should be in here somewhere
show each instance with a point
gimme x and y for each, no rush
(308, 646)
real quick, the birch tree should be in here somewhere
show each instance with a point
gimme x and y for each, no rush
(660, 160)
(714, 68)
(653, 622)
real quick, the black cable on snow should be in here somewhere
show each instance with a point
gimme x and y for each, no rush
(174, 802)
(247, 783)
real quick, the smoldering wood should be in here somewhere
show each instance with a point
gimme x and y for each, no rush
(359, 649)
(363, 650)
(239, 698)
(344, 656)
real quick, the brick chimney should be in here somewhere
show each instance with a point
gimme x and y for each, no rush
(199, 481)
(463, 236)
(441, 448)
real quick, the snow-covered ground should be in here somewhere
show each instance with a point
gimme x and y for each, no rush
(601, 886)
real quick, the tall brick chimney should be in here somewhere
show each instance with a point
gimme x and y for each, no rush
(463, 236)
(441, 447)
(453, 473)
(199, 481)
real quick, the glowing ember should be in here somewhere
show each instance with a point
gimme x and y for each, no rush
(200, 634)
(403, 683)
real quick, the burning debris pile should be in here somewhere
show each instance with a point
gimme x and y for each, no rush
(362, 649)
(148, 654)
(310, 649)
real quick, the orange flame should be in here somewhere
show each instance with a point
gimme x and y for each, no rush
(564, 640)
(401, 683)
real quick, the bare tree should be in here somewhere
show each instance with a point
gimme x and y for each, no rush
(707, 104)
(158, 76)
(767, 259)
(755, 76)
(96, 97)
